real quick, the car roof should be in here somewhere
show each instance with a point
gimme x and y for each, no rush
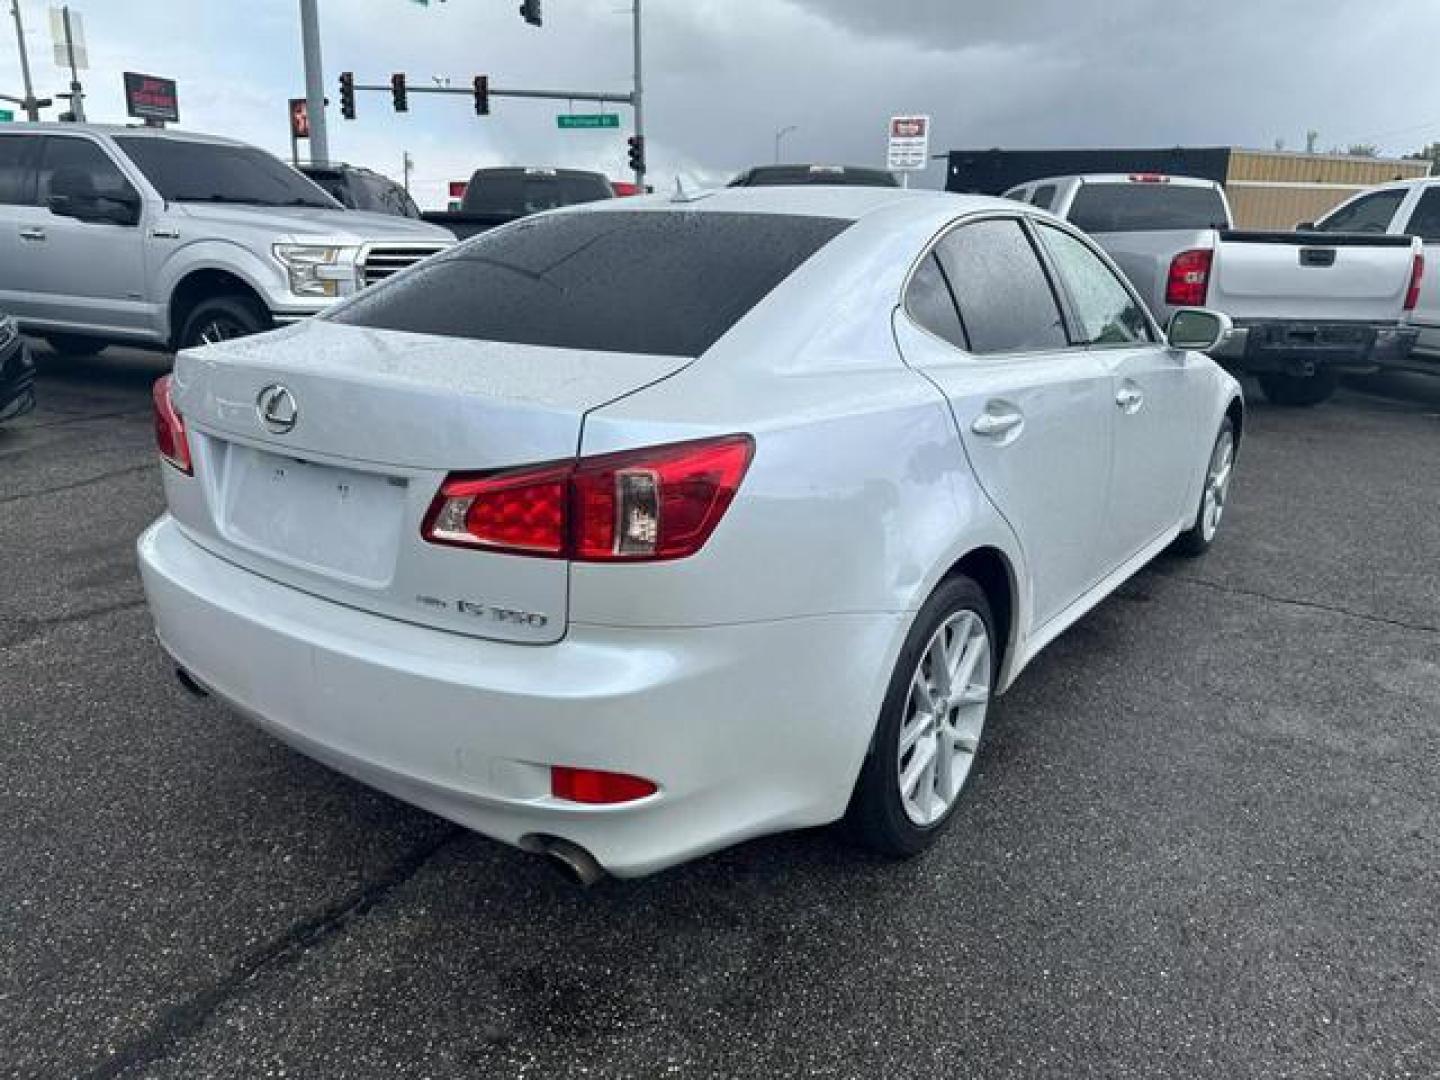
(850, 203)
(113, 130)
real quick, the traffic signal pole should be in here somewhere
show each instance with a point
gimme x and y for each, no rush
(638, 101)
(314, 79)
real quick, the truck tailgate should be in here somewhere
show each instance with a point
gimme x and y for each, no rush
(1331, 277)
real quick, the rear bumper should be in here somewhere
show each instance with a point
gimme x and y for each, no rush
(747, 729)
(1302, 347)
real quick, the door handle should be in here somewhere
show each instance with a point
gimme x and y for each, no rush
(1129, 400)
(994, 425)
(34, 232)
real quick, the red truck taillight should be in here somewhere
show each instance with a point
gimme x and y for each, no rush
(662, 502)
(1417, 275)
(1189, 282)
(170, 438)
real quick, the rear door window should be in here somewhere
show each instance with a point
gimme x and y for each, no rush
(1147, 207)
(83, 156)
(1004, 295)
(662, 282)
(929, 302)
(1044, 196)
(18, 156)
(1367, 214)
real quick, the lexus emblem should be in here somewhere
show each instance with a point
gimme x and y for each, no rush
(277, 408)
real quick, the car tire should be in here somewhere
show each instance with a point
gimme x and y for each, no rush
(221, 318)
(1214, 495)
(1299, 391)
(75, 344)
(886, 813)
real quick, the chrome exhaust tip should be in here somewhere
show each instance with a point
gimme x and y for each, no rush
(572, 862)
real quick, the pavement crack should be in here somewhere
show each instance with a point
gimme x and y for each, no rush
(77, 483)
(180, 1021)
(1313, 605)
(18, 629)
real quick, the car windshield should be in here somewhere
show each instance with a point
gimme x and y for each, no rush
(1140, 207)
(661, 283)
(182, 170)
(520, 193)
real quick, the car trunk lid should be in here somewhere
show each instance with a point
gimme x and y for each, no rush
(318, 451)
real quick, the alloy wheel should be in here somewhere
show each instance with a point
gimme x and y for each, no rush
(944, 714)
(1217, 484)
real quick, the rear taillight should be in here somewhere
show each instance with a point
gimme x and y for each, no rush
(1417, 275)
(662, 502)
(1189, 281)
(170, 437)
(596, 787)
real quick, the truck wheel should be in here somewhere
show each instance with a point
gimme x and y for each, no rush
(930, 724)
(74, 344)
(221, 318)
(1299, 390)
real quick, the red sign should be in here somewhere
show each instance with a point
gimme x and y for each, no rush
(299, 118)
(457, 189)
(149, 97)
(908, 127)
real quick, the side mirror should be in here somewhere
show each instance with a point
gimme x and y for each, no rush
(1198, 329)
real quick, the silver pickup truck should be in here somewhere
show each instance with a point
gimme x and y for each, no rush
(1307, 306)
(114, 234)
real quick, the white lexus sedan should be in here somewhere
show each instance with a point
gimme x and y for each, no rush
(632, 530)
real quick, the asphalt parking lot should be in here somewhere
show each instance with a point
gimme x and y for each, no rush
(1204, 838)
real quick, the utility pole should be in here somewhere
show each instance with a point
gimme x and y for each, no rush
(314, 80)
(639, 104)
(29, 103)
(780, 133)
(77, 94)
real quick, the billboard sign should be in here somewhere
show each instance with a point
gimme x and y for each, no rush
(149, 97)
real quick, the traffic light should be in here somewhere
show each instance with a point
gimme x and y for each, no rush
(482, 95)
(397, 91)
(637, 153)
(530, 12)
(347, 95)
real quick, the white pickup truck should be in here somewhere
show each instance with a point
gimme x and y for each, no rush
(1404, 208)
(1307, 306)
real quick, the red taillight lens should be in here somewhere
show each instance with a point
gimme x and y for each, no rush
(596, 787)
(1189, 281)
(1417, 275)
(170, 437)
(662, 502)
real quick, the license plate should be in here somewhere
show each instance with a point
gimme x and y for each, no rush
(330, 520)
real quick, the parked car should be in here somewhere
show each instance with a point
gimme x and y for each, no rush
(495, 197)
(169, 239)
(1405, 208)
(1306, 308)
(357, 188)
(828, 175)
(748, 530)
(17, 372)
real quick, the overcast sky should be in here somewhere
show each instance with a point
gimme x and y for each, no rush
(723, 75)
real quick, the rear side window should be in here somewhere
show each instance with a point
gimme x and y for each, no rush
(1137, 207)
(663, 282)
(17, 169)
(1044, 196)
(1425, 221)
(929, 302)
(82, 156)
(1005, 298)
(1367, 214)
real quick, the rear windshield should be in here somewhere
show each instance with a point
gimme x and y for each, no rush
(792, 175)
(1135, 207)
(520, 193)
(663, 282)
